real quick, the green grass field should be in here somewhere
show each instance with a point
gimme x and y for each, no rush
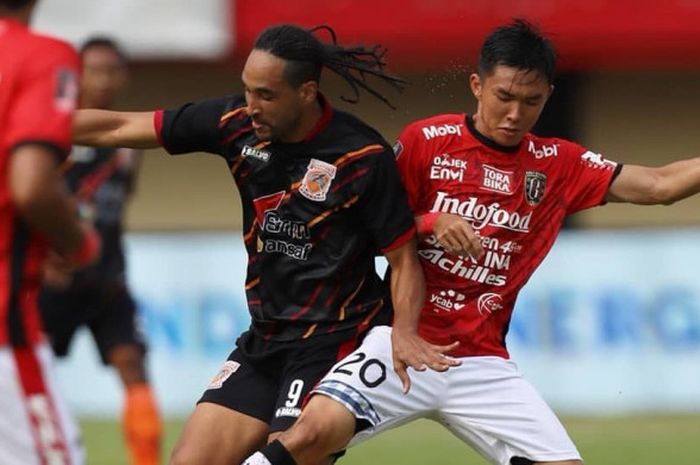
(641, 440)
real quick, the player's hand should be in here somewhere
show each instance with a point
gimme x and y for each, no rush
(57, 271)
(410, 350)
(457, 236)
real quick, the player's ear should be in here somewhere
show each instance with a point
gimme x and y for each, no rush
(308, 91)
(475, 85)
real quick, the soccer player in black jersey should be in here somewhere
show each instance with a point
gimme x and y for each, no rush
(321, 196)
(101, 180)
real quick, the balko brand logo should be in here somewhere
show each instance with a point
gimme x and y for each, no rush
(252, 152)
(433, 131)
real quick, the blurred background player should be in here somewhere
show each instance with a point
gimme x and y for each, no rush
(102, 180)
(38, 95)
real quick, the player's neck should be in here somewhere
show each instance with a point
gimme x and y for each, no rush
(308, 121)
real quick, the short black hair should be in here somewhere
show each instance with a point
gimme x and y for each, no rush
(103, 41)
(306, 56)
(15, 4)
(518, 45)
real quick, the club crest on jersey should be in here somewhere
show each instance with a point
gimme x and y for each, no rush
(317, 180)
(489, 303)
(535, 183)
(252, 152)
(229, 368)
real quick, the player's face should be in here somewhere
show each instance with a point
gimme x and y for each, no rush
(274, 105)
(104, 76)
(509, 103)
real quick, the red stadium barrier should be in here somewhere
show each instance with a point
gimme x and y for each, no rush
(435, 34)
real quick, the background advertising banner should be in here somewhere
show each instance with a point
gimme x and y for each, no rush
(610, 323)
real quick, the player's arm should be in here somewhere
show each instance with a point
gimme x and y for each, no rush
(41, 199)
(453, 233)
(104, 128)
(408, 293)
(646, 185)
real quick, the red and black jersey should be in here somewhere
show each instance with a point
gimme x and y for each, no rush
(38, 94)
(514, 197)
(315, 214)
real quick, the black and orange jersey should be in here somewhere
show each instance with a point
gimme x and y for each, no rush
(101, 180)
(315, 213)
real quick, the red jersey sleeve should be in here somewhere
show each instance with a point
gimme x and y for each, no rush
(589, 177)
(46, 98)
(410, 158)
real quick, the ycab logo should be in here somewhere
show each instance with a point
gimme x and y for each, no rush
(448, 300)
(544, 151)
(432, 131)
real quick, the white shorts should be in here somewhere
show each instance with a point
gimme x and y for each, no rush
(485, 402)
(35, 425)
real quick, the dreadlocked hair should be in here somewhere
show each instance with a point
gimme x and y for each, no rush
(306, 55)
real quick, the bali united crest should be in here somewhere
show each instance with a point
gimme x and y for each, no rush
(317, 180)
(535, 183)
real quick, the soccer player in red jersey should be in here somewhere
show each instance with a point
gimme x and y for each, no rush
(38, 94)
(321, 197)
(102, 180)
(489, 199)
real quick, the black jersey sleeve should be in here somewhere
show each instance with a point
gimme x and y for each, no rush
(384, 205)
(194, 127)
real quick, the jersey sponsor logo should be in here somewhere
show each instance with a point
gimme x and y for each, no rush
(275, 224)
(397, 148)
(252, 152)
(299, 252)
(489, 303)
(448, 300)
(446, 168)
(482, 215)
(496, 180)
(272, 222)
(67, 88)
(462, 267)
(432, 131)
(288, 412)
(535, 183)
(317, 180)
(596, 160)
(229, 368)
(544, 151)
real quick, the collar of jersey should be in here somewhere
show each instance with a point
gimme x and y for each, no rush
(323, 122)
(485, 140)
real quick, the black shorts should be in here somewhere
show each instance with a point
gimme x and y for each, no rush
(107, 309)
(270, 381)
